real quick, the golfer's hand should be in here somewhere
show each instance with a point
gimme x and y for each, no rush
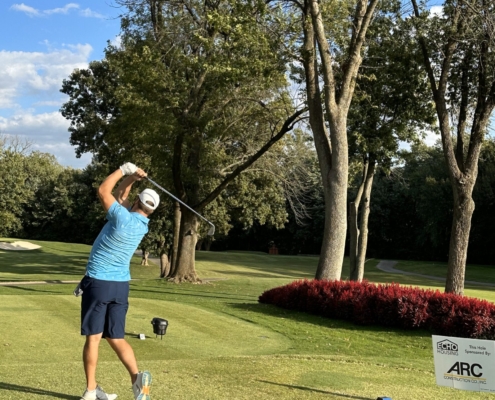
(139, 174)
(128, 168)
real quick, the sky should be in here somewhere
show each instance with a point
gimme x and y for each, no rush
(41, 43)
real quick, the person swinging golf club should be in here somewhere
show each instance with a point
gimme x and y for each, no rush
(105, 286)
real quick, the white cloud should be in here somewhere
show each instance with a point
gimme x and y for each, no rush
(431, 138)
(48, 132)
(63, 10)
(36, 73)
(91, 14)
(116, 41)
(47, 126)
(436, 11)
(29, 80)
(32, 12)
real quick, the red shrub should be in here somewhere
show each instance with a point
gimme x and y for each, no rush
(388, 305)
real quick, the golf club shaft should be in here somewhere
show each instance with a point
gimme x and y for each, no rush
(181, 202)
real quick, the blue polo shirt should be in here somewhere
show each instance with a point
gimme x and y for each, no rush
(115, 245)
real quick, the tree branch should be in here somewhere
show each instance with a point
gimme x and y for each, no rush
(287, 126)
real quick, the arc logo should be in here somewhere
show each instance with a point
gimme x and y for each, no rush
(464, 372)
(447, 347)
(466, 369)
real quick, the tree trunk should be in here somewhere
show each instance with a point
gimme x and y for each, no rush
(333, 153)
(317, 123)
(175, 245)
(208, 242)
(359, 235)
(199, 244)
(185, 271)
(144, 259)
(459, 238)
(335, 190)
(164, 265)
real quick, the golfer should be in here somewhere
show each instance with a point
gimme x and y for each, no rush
(105, 287)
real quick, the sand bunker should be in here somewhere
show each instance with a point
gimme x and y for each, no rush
(18, 246)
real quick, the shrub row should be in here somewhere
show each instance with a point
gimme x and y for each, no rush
(388, 305)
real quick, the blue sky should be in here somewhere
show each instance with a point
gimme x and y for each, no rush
(41, 43)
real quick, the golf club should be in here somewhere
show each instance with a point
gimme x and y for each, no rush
(211, 231)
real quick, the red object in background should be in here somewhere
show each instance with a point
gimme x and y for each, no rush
(390, 305)
(273, 250)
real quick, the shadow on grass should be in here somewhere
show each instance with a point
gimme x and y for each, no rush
(30, 289)
(347, 396)
(198, 293)
(260, 263)
(299, 316)
(41, 392)
(41, 263)
(270, 273)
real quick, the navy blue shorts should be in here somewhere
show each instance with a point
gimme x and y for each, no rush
(104, 307)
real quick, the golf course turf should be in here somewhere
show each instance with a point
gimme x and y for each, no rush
(220, 343)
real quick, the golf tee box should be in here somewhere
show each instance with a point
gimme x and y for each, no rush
(464, 364)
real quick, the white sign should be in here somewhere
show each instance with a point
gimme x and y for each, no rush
(466, 364)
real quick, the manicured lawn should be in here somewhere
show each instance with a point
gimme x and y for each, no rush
(220, 344)
(477, 273)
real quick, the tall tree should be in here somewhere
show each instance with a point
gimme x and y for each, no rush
(391, 104)
(333, 38)
(201, 92)
(458, 51)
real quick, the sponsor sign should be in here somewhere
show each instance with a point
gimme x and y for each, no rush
(465, 364)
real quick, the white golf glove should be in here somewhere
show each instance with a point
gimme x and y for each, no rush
(128, 168)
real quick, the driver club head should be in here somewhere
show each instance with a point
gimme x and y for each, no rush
(211, 231)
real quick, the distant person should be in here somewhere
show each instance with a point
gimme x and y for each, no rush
(105, 286)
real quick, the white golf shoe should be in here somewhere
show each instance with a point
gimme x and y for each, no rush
(98, 394)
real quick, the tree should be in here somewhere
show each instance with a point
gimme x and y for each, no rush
(26, 172)
(66, 207)
(391, 105)
(460, 66)
(199, 89)
(159, 238)
(338, 59)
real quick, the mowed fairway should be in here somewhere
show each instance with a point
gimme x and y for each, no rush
(220, 344)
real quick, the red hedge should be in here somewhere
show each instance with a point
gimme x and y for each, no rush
(391, 305)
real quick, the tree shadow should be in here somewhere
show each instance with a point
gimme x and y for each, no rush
(270, 273)
(41, 263)
(198, 293)
(41, 392)
(30, 289)
(293, 266)
(347, 396)
(299, 316)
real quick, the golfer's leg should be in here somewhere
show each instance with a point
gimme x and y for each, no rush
(126, 355)
(90, 359)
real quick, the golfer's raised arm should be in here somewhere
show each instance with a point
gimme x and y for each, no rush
(106, 188)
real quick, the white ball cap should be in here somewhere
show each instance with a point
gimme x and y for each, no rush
(149, 195)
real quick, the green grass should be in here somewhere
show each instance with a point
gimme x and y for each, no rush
(476, 273)
(220, 344)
